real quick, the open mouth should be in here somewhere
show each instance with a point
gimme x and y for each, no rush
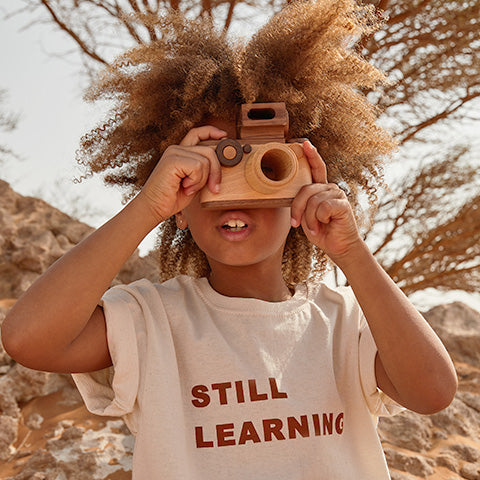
(234, 226)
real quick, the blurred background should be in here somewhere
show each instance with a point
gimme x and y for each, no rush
(427, 229)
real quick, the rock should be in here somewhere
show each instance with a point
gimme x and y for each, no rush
(459, 328)
(469, 378)
(23, 384)
(38, 476)
(459, 418)
(449, 440)
(35, 235)
(448, 461)
(8, 403)
(8, 435)
(80, 453)
(407, 430)
(38, 464)
(470, 471)
(5, 361)
(471, 400)
(465, 452)
(396, 475)
(414, 464)
(34, 421)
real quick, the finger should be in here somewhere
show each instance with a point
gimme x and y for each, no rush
(207, 132)
(215, 171)
(317, 165)
(215, 174)
(320, 209)
(194, 173)
(299, 203)
(309, 220)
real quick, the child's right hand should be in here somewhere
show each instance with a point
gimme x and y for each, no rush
(182, 171)
(58, 326)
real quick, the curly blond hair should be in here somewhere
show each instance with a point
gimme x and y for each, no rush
(304, 56)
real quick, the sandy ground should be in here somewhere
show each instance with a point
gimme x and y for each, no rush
(63, 411)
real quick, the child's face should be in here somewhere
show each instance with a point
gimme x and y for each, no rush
(254, 235)
(239, 237)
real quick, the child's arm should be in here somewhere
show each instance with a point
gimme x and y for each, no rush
(57, 324)
(412, 365)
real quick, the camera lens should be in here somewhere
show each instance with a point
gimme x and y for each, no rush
(271, 167)
(276, 165)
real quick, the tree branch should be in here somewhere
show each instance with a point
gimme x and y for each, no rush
(411, 131)
(228, 20)
(83, 46)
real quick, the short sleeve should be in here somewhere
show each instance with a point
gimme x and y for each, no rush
(113, 391)
(378, 402)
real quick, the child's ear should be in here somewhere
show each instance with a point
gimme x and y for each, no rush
(181, 220)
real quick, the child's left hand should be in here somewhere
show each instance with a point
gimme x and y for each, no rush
(324, 212)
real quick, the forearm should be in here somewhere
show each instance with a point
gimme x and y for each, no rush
(59, 304)
(56, 324)
(413, 367)
(411, 354)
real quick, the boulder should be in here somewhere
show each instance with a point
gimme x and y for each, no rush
(459, 328)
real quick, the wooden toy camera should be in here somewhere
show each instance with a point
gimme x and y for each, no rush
(259, 169)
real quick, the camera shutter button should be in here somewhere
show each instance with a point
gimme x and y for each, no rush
(229, 152)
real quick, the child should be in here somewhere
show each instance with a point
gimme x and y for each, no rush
(242, 365)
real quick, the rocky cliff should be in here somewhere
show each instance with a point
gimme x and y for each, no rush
(47, 434)
(33, 234)
(445, 445)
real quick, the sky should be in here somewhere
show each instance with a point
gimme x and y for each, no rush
(45, 90)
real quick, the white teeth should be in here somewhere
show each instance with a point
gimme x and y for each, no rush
(235, 224)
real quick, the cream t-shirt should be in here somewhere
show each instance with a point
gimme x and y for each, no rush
(215, 387)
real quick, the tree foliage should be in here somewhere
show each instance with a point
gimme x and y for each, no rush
(427, 227)
(431, 51)
(427, 231)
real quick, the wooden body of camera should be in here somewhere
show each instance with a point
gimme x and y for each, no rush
(259, 169)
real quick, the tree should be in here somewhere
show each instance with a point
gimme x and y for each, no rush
(102, 29)
(430, 51)
(427, 233)
(8, 122)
